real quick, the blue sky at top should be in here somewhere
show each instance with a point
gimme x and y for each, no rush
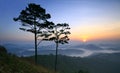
(84, 17)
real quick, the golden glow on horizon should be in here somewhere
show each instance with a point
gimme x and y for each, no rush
(86, 33)
(96, 32)
(84, 40)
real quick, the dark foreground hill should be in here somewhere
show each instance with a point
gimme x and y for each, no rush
(13, 64)
(99, 63)
(102, 63)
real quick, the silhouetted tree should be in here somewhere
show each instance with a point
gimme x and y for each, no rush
(60, 36)
(34, 19)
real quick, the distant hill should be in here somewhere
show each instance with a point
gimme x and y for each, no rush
(12, 64)
(82, 50)
(88, 46)
(100, 63)
(67, 52)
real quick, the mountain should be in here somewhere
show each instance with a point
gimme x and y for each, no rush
(88, 46)
(80, 50)
(99, 63)
(28, 49)
(67, 52)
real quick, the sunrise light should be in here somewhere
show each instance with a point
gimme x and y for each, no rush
(84, 40)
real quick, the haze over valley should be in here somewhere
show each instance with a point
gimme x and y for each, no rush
(78, 49)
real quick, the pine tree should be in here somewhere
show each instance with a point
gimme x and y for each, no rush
(34, 19)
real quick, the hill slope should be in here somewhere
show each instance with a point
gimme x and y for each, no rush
(102, 63)
(13, 64)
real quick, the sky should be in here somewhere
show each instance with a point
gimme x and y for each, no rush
(90, 20)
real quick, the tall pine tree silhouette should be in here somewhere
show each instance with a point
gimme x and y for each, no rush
(60, 34)
(34, 20)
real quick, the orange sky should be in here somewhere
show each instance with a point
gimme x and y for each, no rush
(94, 32)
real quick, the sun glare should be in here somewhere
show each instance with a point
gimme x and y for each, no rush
(84, 40)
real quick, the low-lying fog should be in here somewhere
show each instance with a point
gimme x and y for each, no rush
(78, 50)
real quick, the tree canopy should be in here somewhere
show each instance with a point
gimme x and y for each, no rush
(34, 19)
(60, 34)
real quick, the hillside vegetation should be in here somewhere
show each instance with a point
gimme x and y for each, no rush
(101, 63)
(13, 64)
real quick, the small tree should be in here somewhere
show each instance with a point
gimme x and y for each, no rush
(60, 36)
(34, 19)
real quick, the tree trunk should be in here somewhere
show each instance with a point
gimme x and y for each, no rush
(56, 56)
(35, 45)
